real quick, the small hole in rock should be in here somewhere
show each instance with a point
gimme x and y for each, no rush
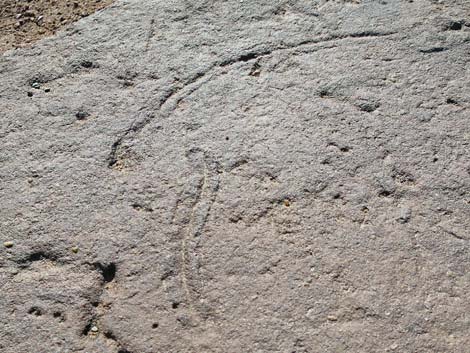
(451, 101)
(86, 330)
(59, 315)
(455, 26)
(86, 64)
(175, 305)
(385, 193)
(110, 335)
(37, 256)
(81, 115)
(368, 107)
(139, 207)
(324, 93)
(155, 325)
(108, 271)
(35, 311)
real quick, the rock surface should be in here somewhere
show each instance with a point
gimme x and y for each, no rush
(239, 176)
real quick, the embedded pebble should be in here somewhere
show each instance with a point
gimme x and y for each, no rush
(8, 244)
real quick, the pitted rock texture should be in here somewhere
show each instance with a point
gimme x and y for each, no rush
(239, 176)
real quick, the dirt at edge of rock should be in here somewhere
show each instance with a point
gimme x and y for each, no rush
(24, 22)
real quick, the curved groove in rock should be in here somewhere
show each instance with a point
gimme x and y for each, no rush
(196, 81)
(200, 212)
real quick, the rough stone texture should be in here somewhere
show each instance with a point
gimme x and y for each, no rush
(239, 176)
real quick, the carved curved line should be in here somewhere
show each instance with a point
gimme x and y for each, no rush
(207, 192)
(197, 80)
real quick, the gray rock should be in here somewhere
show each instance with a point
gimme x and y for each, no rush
(203, 118)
